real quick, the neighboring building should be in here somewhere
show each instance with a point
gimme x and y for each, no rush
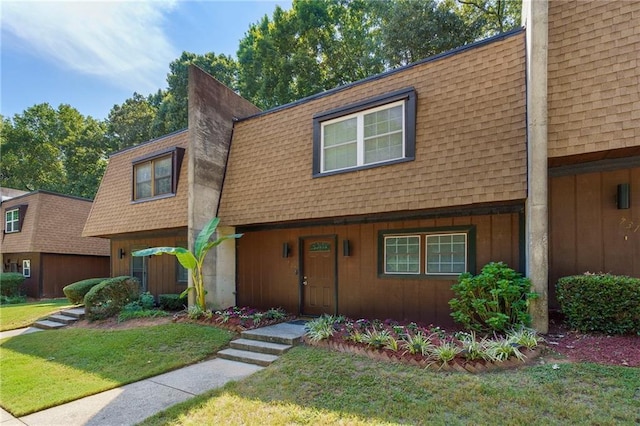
(9, 193)
(42, 239)
(368, 200)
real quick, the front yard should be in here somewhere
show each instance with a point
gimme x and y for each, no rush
(24, 314)
(316, 386)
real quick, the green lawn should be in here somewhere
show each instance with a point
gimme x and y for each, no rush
(315, 386)
(24, 314)
(48, 368)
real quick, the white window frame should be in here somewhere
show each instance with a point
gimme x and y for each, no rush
(26, 268)
(446, 234)
(360, 162)
(386, 237)
(12, 225)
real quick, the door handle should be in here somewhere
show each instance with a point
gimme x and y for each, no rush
(304, 281)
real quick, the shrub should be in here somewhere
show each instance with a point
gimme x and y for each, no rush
(172, 302)
(495, 300)
(75, 292)
(110, 296)
(10, 283)
(600, 302)
(12, 300)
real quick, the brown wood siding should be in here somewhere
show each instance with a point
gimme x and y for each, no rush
(31, 285)
(587, 231)
(161, 272)
(266, 279)
(59, 270)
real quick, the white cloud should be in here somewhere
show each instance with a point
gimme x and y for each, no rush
(122, 42)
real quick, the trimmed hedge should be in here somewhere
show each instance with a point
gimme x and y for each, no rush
(110, 296)
(172, 302)
(10, 283)
(75, 292)
(600, 302)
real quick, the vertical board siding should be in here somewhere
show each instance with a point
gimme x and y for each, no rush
(588, 233)
(59, 270)
(265, 279)
(161, 270)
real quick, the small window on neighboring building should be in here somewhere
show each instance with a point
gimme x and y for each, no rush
(26, 268)
(182, 273)
(12, 220)
(375, 132)
(156, 175)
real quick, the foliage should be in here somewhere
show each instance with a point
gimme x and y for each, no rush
(135, 312)
(445, 352)
(81, 361)
(600, 302)
(110, 296)
(131, 123)
(503, 349)
(172, 302)
(490, 16)
(249, 317)
(320, 328)
(24, 314)
(10, 283)
(194, 261)
(472, 348)
(378, 338)
(417, 344)
(53, 149)
(496, 299)
(12, 300)
(525, 337)
(76, 292)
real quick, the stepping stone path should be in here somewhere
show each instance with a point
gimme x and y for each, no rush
(262, 346)
(61, 319)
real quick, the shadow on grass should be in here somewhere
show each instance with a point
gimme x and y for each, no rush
(313, 385)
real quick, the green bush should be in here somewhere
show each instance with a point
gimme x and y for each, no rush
(110, 296)
(10, 283)
(12, 300)
(497, 299)
(75, 292)
(172, 302)
(600, 302)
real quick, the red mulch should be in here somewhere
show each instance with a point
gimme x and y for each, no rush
(597, 348)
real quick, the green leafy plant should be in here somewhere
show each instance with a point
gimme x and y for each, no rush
(110, 296)
(445, 352)
(10, 283)
(418, 343)
(378, 338)
(76, 292)
(12, 300)
(600, 302)
(496, 299)
(172, 302)
(503, 349)
(193, 261)
(320, 328)
(525, 337)
(472, 348)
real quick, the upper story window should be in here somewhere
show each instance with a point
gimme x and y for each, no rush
(156, 176)
(367, 134)
(12, 220)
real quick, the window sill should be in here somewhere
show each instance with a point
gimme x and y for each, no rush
(368, 166)
(159, 197)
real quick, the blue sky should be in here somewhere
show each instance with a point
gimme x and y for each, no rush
(94, 54)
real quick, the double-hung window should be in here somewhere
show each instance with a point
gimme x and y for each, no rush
(26, 268)
(427, 252)
(12, 220)
(156, 175)
(371, 133)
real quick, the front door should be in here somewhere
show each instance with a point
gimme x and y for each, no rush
(318, 277)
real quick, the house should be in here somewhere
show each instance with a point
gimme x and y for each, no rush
(369, 200)
(42, 239)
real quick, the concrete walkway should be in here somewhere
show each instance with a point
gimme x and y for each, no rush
(132, 403)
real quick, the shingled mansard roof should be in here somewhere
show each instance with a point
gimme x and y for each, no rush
(52, 224)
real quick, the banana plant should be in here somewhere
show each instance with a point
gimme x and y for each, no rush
(193, 261)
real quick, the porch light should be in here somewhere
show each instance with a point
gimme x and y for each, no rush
(623, 196)
(346, 248)
(121, 253)
(285, 250)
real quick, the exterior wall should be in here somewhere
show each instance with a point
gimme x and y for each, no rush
(31, 285)
(594, 101)
(162, 270)
(266, 279)
(588, 233)
(470, 145)
(59, 270)
(113, 210)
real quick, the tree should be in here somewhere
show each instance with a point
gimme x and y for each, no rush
(130, 123)
(492, 16)
(193, 261)
(172, 103)
(57, 150)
